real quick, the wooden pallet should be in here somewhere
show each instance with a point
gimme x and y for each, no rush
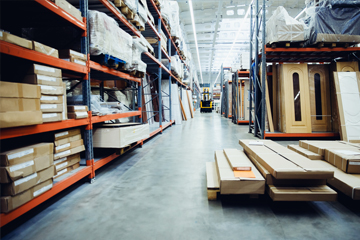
(333, 45)
(137, 74)
(157, 3)
(138, 25)
(151, 52)
(127, 12)
(175, 74)
(285, 45)
(119, 3)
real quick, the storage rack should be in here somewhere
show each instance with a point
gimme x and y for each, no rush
(236, 83)
(280, 55)
(55, 14)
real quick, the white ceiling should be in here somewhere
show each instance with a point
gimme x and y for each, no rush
(217, 23)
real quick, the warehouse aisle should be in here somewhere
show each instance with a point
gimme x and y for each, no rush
(159, 192)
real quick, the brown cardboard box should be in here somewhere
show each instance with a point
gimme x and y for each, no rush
(15, 172)
(28, 182)
(19, 104)
(51, 108)
(67, 133)
(237, 160)
(24, 154)
(314, 193)
(67, 140)
(43, 80)
(51, 117)
(69, 8)
(349, 184)
(45, 70)
(75, 60)
(320, 146)
(64, 114)
(67, 53)
(284, 165)
(19, 90)
(229, 184)
(9, 203)
(48, 99)
(305, 152)
(18, 119)
(39, 47)
(66, 170)
(52, 90)
(69, 145)
(69, 152)
(77, 108)
(348, 160)
(66, 162)
(77, 115)
(7, 37)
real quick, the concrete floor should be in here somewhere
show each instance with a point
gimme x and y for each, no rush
(159, 192)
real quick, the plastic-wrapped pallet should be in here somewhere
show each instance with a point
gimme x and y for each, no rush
(282, 28)
(171, 13)
(106, 37)
(138, 47)
(332, 21)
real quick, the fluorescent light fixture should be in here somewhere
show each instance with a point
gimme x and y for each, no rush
(300, 13)
(195, 38)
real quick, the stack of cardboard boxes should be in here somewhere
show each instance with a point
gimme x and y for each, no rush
(67, 147)
(19, 105)
(77, 111)
(73, 56)
(53, 91)
(66, 6)
(25, 173)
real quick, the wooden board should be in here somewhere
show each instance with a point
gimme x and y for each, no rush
(212, 181)
(347, 66)
(268, 107)
(320, 112)
(182, 109)
(275, 94)
(190, 104)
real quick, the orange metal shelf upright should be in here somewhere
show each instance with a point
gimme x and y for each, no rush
(105, 69)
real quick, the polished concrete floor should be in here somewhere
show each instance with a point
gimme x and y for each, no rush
(159, 192)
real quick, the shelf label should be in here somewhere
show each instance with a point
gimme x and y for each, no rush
(61, 134)
(49, 115)
(20, 154)
(25, 179)
(49, 98)
(42, 190)
(354, 163)
(80, 114)
(62, 146)
(21, 166)
(61, 165)
(62, 153)
(46, 78)
(60, 160)
(48, 106)
(45, 69)
(48, 87)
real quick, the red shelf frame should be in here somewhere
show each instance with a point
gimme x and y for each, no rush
(105, 69)
(243, 121)
(301, 135)
(98, 119)
(20, 52)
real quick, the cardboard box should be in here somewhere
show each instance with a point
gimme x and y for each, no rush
(45, 70)
(48, 99)
(51, 108)
(43, 80)
(237, 160)
(66, 162)
(348, 160)
(52, 90)
(67, 133)
(68, 146)
(51, 117)
(69, 8)
(116, 136)
(64, 113)
(28, 182)
(10, 38)
(66, 170)
(77, 108)
(69, 152)
(320, 146)
(305, 152)
(67, 140)
(19, 104)
(18, 90)
(349, 184)
(283, 164)
(67, 53)
(314, 193)
(75, 60)
(24, 154)
(229, 184)
(39, 47)
(18, 119)
(9, 203)
(15, 172)
(77, 115)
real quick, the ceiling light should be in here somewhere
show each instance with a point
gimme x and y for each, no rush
(195, 38)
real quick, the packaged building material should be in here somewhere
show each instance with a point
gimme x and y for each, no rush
(19, 104)
(75, 60)
(66, 162)
(138, 47)
(309, 154)
(346, 159)
(48, 99)
(170, 12)
(319, 147)
(77, 108)
(52, 117)
(9, 203)
(19, 171)
(18, 90)
(10, 38)
(238, 160)
(43, 80)
(18, 119)
(316, 193)
(77, 115)
(45, 70)
(52, 90)
(69, 8)
(106, 37)
(332, 21)
(283, 163)
(66, 134)
(229, 184)
(28, 182)
(69, 152)
(39, 47)
(68, 53)
(66, 170)
(282, 28)
(67, 140)
(51, 108)
(119, 135)
(69, 145)
(212, 180)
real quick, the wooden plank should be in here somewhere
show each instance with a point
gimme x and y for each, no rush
(182, 110)
(275, 93)
(212, 181)
(191, 111)
(268, 107)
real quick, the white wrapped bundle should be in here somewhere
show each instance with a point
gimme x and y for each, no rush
(106, 37)
(138, 47)
(174, 19)
(131, 4)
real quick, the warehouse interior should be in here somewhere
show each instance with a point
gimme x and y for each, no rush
(187, 119)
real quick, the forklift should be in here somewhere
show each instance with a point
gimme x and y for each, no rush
(206, 101)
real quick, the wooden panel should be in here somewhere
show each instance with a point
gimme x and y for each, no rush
(268, 108)
(289, 72)
(321, 119)
(275, 95)
(182, 110)
(347, 66)
(246, 100)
